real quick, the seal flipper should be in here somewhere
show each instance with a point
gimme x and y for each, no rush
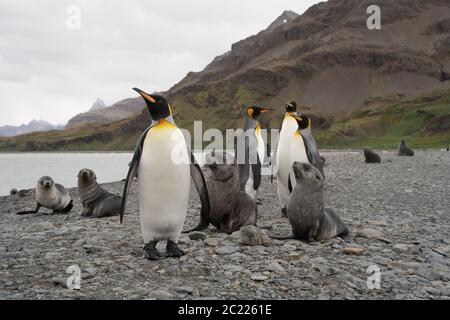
(68, 207)
(132, 171)
(38, 206)
(200, 185)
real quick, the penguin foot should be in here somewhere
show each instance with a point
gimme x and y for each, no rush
(172, 250)
(150, 251)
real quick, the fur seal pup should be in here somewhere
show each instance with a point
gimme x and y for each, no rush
(298, 145)
(403, 150)
(310, 220)
(52, 196)
(371, 157)
(97, 202)
(230, 207)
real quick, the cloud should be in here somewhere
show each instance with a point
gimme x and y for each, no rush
(48, 71)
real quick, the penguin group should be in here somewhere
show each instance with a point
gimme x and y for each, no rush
(165, 167)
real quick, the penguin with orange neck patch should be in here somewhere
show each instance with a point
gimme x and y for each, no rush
(296, 143)
(165, 166)
(251, 152)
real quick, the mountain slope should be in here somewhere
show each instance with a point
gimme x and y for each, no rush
(102, 115)
(424, 121)
(32, 126)
(326, 59)
(98, 105)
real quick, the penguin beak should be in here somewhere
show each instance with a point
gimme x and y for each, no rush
(145, 95)
(264, 110)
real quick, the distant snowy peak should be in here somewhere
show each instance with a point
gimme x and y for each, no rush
(98, 105)
(32, 126)
(286, 16)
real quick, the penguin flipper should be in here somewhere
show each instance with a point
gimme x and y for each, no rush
(256, 171)
(311, 150)
(200, 185)
(132, 171)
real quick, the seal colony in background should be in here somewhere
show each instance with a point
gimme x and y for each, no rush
(228, 186)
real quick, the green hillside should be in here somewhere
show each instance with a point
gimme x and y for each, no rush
(422, 122)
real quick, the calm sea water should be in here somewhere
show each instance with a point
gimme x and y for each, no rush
(22, 170)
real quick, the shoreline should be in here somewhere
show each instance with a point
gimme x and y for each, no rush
(397, 212)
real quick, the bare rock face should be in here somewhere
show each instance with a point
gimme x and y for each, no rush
(286, 16)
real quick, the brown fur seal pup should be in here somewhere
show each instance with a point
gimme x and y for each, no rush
(52, 196)
(371, 157)
(97, 202)
(231, 208)
(403, 150)
(309, 218)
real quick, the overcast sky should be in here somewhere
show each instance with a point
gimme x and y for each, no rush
(52, 72)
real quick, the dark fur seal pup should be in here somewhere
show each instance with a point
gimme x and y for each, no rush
(97, 202)
(403, 150)
(309, 218)
(52, 196)
(231, 208)
(371, 157)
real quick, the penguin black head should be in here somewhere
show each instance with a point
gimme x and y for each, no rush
(157, 105)
(254, 112)
(291, 107)
(303, 121)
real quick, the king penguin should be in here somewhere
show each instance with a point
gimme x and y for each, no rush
(164, 165)
(254, 151)
(296, 143)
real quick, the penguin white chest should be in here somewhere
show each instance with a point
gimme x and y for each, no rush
(261, 151)
(291, 148)
(164, 183)
(260, 145)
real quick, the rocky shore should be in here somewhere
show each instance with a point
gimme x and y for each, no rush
(398, 213)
